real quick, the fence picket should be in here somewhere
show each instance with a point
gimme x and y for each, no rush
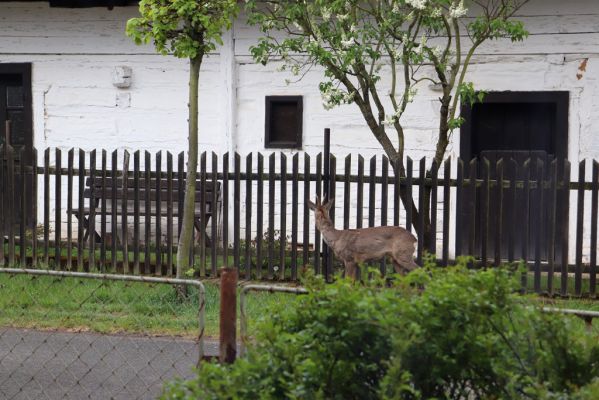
(213, 228)
(81, 211)
(91, 229)
(422, 211)
(594, 217)
(306, 220)
(260, 215)
(473, 169)
(236, 212)
(409, 177)
(485, 198)
(384, 200)
(317, 238)
(347, 192)
(564, 234)
(497, 240)
(34, 227)
(332, 193)
(203, 225)
(248, 217)
(57, 208)
(294, 212)
(23, 206)
(124, 216)
(225, 226)
(10, 161)
(446, 208)
(552, 227)
(579, 228)
(103, 213)
(432, 249)
(540, 173)
(169, 214)
(283, 216)
(114, 213)
(158, 218)
(513, 217)
(70, 159)
(360, 193)
(526, 217)
(136, 200)
(147, 268)
(271, 215)
(460, 206)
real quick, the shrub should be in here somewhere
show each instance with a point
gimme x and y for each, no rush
(437, 333)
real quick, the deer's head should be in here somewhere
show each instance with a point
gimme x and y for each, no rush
(321, 210)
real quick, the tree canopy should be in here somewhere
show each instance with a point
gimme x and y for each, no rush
(376, 53)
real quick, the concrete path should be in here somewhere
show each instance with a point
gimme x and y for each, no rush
(62, 365)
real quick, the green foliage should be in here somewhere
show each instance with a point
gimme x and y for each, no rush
(436, 333)
(187, 28)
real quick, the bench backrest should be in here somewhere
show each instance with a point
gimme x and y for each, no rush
(103, 189)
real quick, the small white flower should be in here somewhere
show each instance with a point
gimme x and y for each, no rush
(348, 42)
(458, 10)
(418, 4)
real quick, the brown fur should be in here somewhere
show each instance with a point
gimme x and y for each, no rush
(355, 246)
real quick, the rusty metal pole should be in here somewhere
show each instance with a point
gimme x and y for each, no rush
(228, 315)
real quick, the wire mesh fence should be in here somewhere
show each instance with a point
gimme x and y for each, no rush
(67, 335)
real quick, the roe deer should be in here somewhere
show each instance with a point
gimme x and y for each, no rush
(354, 246)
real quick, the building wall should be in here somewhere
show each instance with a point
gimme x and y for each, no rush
(75, 51)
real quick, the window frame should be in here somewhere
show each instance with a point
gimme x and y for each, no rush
(269, 102)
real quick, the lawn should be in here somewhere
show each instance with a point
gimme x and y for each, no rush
(43, 302)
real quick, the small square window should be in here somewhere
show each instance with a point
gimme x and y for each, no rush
(283, 122)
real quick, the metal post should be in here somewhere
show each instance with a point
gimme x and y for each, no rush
(326, 182)
(228, 315)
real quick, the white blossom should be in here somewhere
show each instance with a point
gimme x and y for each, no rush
(458, 10)
(418, 4)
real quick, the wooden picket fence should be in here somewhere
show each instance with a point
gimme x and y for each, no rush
(252, 212)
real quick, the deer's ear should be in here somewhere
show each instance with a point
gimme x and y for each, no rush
(329, 204)
(311, 205)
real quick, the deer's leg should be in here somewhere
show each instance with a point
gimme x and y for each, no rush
(351, 270)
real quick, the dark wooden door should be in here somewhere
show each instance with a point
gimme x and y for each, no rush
(516, 128)
(15, 108)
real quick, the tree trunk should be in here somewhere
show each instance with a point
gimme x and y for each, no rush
(186, 236)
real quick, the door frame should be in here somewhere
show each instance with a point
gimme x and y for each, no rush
(560, 98)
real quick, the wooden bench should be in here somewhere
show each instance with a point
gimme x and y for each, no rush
(101, 195)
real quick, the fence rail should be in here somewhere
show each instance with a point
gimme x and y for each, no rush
(75, 211)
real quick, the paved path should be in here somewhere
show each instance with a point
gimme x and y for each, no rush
(61, 365)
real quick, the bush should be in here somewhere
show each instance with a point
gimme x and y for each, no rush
(467, 334)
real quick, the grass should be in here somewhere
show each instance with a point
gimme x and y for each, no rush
(43, 302)
(201, 270)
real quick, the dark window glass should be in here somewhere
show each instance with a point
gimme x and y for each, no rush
(17, 137)
(14, 96)
(283, 122)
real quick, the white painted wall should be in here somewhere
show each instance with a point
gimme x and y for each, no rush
(74, 52)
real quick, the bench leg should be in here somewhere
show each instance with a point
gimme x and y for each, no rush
(198, 227)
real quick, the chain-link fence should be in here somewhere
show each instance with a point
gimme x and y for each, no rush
(68, 335)
(243, 307)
